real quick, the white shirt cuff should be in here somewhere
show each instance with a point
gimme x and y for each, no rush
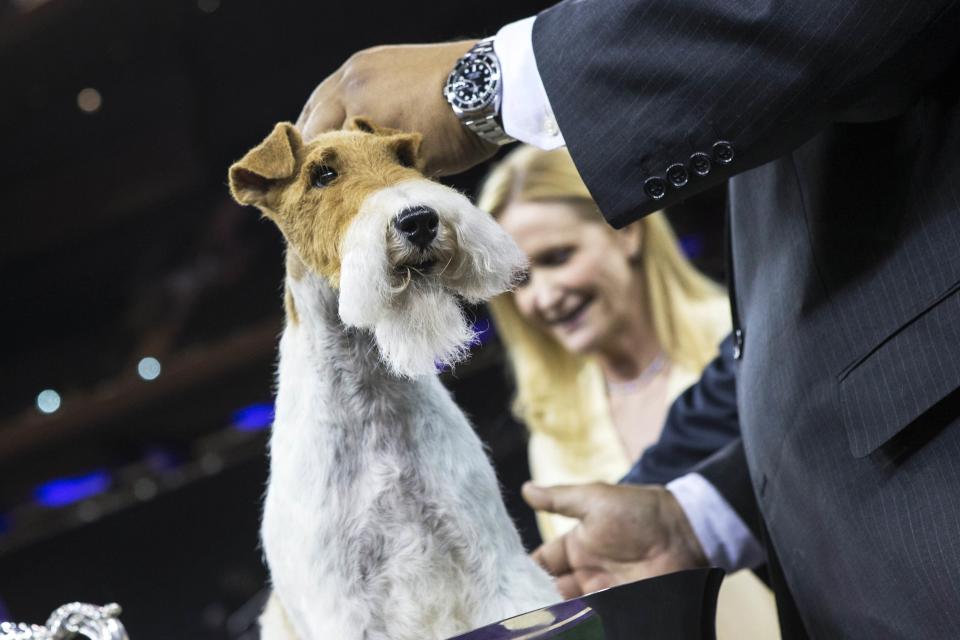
(525, 108)
(725, 538)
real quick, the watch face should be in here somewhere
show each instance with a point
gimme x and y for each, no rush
(473, 83)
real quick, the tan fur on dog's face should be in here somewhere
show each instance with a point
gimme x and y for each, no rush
(290, 182)
(341, 202)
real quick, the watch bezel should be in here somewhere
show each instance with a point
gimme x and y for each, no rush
(492, 94)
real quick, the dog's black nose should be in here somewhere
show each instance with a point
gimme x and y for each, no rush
(418, 225)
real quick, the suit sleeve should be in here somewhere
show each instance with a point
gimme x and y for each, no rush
(659, 99)
(729, 474)
(701, 421)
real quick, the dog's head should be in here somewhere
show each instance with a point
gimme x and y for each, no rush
(400, 249)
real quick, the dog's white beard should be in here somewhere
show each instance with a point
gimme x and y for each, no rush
(427, 330)
(416, 329)
(489, 258)
(422, 326)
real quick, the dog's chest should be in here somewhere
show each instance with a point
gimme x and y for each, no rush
(371, 507)
(377, 550)
(374, 552)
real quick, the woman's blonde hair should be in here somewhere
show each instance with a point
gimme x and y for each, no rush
(548, 396)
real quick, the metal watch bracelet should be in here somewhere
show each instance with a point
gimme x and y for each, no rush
(488, 128)
(486, 123)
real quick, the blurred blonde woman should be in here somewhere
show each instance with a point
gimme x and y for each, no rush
(610, 327)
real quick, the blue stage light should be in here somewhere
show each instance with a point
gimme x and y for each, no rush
(254, 417)
(4, 524)
(483, 330)
(692, 245)
(63, 491)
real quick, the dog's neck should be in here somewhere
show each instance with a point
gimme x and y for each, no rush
(348, 366)
(341, 413)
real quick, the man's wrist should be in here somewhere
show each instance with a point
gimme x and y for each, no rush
(474, 90)
(525, 108)
(724, 538)
(681, 531)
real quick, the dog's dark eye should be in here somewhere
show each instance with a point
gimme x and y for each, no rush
(322, 175)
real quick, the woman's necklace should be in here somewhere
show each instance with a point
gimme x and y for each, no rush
(641, 381)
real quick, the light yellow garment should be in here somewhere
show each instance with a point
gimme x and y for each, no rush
(746, 609)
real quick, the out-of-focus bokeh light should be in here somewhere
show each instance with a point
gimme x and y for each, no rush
(211, 463)
(29, 5)
(149, 368)
(692, 245)
(89, 100)
(144, 488)
(253, 417)
(48, 401)
(64, 491)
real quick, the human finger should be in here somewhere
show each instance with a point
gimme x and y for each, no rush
(553, 557)
(567, 500)
(316, 96)
(325, 117)
(305, 113)
(568, 586)
(590, 580)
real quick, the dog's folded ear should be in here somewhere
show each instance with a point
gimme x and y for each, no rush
(405, 145)
(273, 159)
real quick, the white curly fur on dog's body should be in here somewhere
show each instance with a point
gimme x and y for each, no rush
(383, 517)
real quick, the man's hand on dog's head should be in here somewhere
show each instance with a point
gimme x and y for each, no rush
(625, 533)
(400, 87)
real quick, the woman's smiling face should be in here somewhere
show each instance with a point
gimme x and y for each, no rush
(583, 286)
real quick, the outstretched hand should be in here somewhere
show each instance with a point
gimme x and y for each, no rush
(625, 533)
(400, 87)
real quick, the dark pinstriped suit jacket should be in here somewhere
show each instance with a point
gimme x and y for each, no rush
(842, 118)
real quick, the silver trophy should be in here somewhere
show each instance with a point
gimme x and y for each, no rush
(74, 620)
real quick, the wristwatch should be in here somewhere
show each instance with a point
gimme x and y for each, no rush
(474, 89)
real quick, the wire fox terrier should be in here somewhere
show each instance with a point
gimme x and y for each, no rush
(383, 518)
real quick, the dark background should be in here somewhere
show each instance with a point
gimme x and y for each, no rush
(119, 241)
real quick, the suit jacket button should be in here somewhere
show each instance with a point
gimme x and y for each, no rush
(723, 152)
(677, 175)
(738, 344)
(655, 188)
(700, 164)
